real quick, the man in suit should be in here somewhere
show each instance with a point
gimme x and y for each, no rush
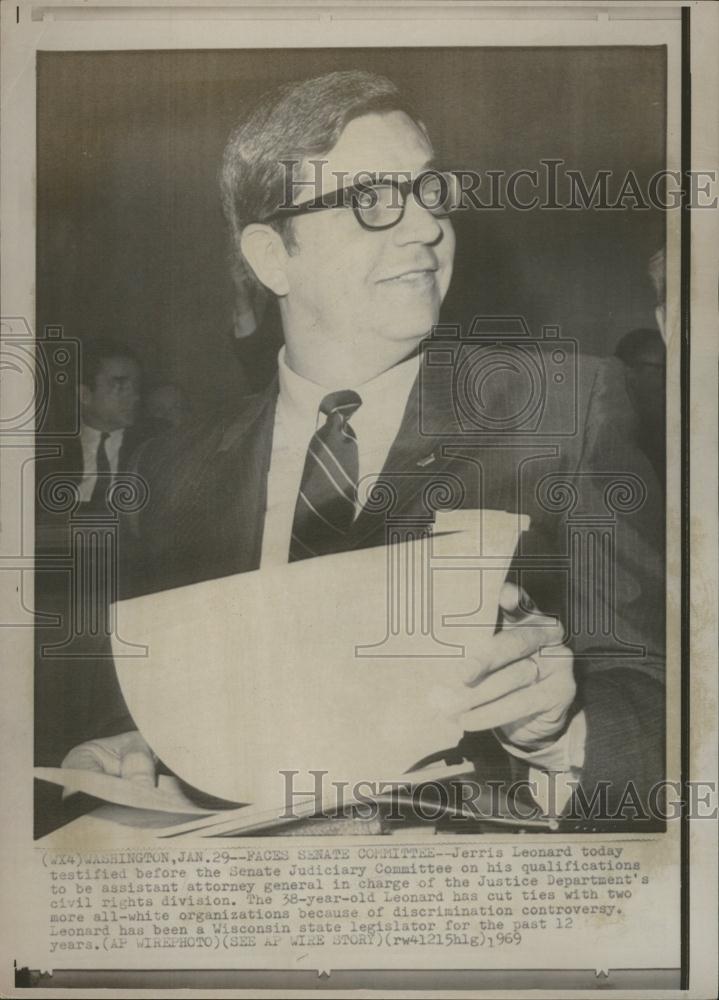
(73, 683)
(109, 403)
(109, 398)
(168, 407)
(366, 404)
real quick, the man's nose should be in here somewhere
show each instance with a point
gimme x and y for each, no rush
(417, 225)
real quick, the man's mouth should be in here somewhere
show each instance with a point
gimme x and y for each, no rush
(412, 275)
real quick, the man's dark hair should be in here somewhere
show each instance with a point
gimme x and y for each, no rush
(95, 352)
(294, 122)
(635, 345)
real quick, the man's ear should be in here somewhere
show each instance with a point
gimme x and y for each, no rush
(264, 251)
(85, 393)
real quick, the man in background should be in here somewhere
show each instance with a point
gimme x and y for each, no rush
(644, 355)
(74, 676)
(167, 407)
(109, 405)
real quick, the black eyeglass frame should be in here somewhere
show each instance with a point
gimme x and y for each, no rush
(348, 196)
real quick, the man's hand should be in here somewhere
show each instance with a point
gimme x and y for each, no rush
(124, 756)
(525, 693)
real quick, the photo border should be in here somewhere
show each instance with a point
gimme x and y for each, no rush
(686, 509)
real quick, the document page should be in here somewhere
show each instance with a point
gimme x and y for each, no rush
(360, 678)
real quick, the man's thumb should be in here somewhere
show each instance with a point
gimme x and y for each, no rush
(138, 765)
(515, 603)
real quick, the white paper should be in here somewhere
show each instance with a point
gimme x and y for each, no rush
(168, 797)
(244, 680)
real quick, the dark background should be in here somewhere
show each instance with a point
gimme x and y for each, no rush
(131, 239)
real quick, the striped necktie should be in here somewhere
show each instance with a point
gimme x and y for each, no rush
(326, 502)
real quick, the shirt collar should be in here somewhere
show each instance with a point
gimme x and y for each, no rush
(91, 435)
(384, 397)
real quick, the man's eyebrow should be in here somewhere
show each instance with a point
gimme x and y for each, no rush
(430, 165)
(435, 163)
(441, 163)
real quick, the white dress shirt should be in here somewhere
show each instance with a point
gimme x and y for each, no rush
(89, 440)
(376, 424)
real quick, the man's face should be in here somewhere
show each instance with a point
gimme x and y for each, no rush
(646, 379)
(368, 291)
(112, 402)
(166, 404)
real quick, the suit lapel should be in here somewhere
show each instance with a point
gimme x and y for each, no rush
(240, 489)
(131, 440)
(416, 459)
(71, 459)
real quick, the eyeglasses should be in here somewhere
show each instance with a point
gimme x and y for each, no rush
(379, 202)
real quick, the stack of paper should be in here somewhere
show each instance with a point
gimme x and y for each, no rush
(351, 664)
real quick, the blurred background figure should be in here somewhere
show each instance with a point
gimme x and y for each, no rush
(656, 270)
(91, 456)
(644, 355)
(167, 407)
(257, 350)
(74, 677)
(109, 405)
(256, 329)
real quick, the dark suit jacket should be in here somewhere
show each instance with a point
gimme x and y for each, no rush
(509, 428)
(64, 455)
(74, 686)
